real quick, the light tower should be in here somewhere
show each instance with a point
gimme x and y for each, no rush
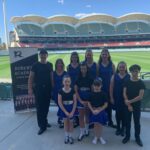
(5, 24)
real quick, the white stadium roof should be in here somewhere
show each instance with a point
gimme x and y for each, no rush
(103, 18)
(93, 24)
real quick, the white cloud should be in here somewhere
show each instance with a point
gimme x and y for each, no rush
(88, 6)
(81, 15)
(61, 2)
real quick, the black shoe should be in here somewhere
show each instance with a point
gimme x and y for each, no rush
(125, 140)
(66, 141)
(61, 125)
(48, 125)
(87, 133)
(71, 141)
(122, 132)
(80, 138)
(41, 131)
(112, 125)
(75, 124)
(139, 142)
(118, 132)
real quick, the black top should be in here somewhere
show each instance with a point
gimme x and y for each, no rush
(97, 99)
(84, 82)
(42, 73)
(133, 89)
(67, 96)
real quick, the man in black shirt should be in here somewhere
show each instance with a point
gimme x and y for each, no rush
(40, 81)
(133, 93)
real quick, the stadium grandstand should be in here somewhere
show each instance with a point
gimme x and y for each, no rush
(96, 31)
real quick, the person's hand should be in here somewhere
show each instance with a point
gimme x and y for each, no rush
(130, 108)
(127, 102)
(85, 103)
(71, 115)
(67, 114)
(96, 111)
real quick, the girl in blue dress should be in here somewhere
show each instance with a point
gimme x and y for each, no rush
(73, 70)
(92, 66)
(67, 103)
(83, 89)
(57, 85)
(106, 69)
(98, 102)
(116, 95)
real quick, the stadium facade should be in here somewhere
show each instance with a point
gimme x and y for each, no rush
(96, 31)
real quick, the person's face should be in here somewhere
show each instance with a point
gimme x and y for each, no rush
(59, 65)
(43, 57)
(97, 88)
(122, 68)
(83, 70)
(135, 73)
(89, 56)
(67, 82)
(104, 55)
(74, 58)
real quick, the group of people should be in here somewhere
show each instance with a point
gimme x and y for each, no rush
(88, 91)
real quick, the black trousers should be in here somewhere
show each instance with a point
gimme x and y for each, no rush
(136, 117)
(120, 119)
(42, 97)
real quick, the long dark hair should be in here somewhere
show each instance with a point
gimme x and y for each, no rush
(83, 64)
(100, 57)
(61, 61)
(88, 51)
(74, 54)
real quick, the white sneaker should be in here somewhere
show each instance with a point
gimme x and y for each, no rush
(102, 140)
(94, 140)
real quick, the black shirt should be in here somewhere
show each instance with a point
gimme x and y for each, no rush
(97, 99)
(67, 96)
(133, 88)
(42, 74)
(84, 83)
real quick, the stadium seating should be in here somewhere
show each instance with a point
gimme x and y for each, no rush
(108, 29)
(144, 27)
(29, 30)
(96, 31)
(83, 29)
(59, 30)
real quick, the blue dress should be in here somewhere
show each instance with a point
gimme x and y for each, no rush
(67, 100)
(73, 73)
(106, 73)
(93, 71)
(98, 99)
(84, 88)
(57, 85)
(118, 91)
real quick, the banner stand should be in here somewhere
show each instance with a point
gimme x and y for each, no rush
(21, 60)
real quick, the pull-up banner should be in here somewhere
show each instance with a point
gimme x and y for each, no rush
(21, 60)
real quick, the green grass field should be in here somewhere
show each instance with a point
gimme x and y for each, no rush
(141, 58)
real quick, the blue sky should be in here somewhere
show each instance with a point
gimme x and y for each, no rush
(75, 8)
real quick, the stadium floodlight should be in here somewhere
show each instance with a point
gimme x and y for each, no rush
(5, 24)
